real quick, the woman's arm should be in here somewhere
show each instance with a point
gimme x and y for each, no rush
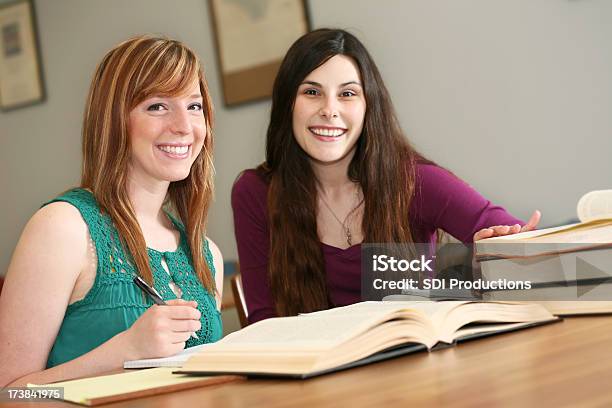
(48, 258)
(45, 265)
(442, 200)
(249, 203)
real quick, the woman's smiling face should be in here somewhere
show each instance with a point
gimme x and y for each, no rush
(166, 135)
(329, 111)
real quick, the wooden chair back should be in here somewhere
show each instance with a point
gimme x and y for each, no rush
(239, 300)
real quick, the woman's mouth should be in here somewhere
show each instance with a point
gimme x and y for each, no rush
(175, 151)
(327, 134)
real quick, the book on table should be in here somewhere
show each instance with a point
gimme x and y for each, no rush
(569, 267)
(593, 232)
(317, 343)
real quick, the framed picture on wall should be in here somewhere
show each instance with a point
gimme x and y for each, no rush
(252, 38)
(21, 82)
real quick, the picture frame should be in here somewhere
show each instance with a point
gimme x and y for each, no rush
(251, 39)
(21, 80)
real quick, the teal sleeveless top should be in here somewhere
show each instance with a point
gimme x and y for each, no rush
(114, 302)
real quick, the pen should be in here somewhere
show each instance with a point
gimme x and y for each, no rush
(153, 295)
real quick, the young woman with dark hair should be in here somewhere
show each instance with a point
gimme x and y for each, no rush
(338, 172)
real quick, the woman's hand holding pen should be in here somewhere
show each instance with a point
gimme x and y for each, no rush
(499, 230)
(162, 331)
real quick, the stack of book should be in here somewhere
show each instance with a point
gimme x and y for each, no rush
(567, 267)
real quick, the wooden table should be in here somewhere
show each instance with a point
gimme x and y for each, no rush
(561, 364)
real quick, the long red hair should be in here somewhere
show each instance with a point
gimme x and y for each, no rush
(130, 73)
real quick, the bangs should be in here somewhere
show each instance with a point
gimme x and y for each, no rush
(168, 70)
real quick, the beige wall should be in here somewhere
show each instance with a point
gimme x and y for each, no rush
(512, 95)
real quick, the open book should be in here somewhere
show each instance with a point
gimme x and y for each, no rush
(317, 343)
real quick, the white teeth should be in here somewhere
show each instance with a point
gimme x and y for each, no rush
(327, 132)
(174, 149)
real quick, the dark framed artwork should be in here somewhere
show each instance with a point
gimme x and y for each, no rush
(21, 82)
(252, 37)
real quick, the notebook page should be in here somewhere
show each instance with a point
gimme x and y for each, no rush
(176, 360)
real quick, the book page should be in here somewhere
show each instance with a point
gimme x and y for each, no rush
(491, 312)
(312, 333)
(592, 233)
(595, 205)
(417, 308)
(554, 233)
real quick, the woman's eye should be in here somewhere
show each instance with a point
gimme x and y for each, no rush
(156, 107)
(195, 106)
(347, 94)
(311, 92)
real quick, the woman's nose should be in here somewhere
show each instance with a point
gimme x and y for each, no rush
(329, 109)
(181, 124)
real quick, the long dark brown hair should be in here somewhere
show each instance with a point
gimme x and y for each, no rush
(383, 164)
(130, 73)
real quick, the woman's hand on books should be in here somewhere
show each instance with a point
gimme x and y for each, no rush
(500, 230)
(162, 331)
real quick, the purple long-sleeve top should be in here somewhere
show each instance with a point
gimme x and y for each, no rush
(441, 200)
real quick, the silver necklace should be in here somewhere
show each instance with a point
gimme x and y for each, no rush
(343, 223)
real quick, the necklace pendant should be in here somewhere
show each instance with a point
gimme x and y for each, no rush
(348, 237)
